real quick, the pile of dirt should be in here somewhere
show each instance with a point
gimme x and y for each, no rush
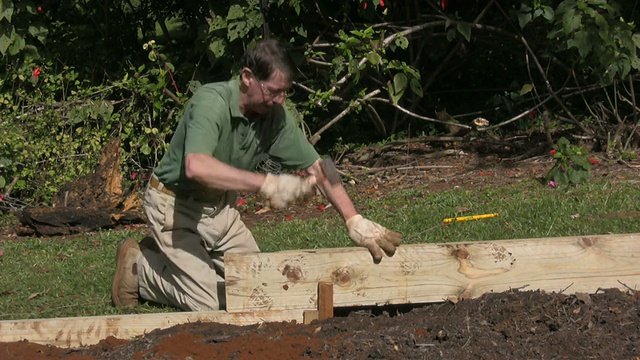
(511, 325)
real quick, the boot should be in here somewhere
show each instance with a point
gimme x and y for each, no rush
(124, 289)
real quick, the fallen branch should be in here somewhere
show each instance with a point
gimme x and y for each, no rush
(422, 139)
(401, 168)
(425, 167)
(629, 165)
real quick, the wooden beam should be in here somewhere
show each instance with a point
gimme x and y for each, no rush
(81, 331)
(425, 273)
(271, 287)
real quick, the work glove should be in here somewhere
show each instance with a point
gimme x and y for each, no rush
(373, 236)
(281, 190)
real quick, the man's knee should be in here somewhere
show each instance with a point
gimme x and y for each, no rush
(206, 301)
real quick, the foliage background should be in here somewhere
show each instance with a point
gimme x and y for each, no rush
(79, 72)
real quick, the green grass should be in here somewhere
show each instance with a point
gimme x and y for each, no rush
(61, 277)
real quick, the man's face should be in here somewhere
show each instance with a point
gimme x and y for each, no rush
(263, 94)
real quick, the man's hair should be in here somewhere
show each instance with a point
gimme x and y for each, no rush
(266, 57)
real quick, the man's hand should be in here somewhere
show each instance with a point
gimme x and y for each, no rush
(284, 189)
(373, 236)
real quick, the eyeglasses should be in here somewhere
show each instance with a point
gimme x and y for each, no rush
(270, 93)
(274, 94)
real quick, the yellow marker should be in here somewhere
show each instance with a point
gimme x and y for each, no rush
(472, 217)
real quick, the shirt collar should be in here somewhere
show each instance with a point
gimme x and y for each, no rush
(234, 104)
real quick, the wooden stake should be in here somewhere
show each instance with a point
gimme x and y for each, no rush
(324, 309)
(325, 300)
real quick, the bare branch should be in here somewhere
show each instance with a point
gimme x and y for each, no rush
(635, 113)
(517, 116)
(316, 137)
(412, 114)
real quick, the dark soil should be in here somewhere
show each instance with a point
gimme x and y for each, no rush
(511, 325)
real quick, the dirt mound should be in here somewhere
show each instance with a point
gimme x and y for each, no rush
(512, 325)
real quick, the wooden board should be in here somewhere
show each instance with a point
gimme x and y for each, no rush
(268, 287)
(75, 332)
(432, 272)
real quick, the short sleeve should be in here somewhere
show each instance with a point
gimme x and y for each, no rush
(205, 115)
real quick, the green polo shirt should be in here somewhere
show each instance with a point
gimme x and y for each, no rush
(212, 124)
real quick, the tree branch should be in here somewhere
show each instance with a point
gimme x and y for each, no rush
(635, 113)
(316, 137)
(426, 118)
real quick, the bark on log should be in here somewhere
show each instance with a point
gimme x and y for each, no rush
(95, 201)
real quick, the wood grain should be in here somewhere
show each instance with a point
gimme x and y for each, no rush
(81, 331)
(426, 273)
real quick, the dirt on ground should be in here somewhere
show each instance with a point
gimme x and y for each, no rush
(510, 325)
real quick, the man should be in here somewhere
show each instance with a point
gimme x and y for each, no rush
(189, 202)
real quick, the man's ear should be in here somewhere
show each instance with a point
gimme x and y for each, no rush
(246, 76)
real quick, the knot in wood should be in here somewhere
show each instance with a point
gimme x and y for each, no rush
(460, 253)
(292, 272)
(342, 276)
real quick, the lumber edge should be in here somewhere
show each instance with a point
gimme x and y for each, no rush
(432, 272)
(74, 332)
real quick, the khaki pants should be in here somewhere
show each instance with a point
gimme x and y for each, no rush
(192, 238)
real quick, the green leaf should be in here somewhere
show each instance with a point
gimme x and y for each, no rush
(581, 42)
(451, 34)
(636, 40)
(525, 8)
(526, 88)
(396, 89)
(3, 181)
(235, 12)
(403, 42)
(581, 161)
(300, 30)
(465, 30)
(552, 173)
(571, 21)
(374, 58)
(416, 87)
(563, 143)
(6, 10)
(145, 149)
(547, 13)
(217, 47)
(38, 31)
(5, 42)
(354, 70)
(400, 83)
(17, 45)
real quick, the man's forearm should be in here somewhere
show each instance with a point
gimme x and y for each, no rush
(215, 174)
(335, 193)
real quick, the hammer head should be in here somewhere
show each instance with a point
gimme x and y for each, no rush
(330, 171)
